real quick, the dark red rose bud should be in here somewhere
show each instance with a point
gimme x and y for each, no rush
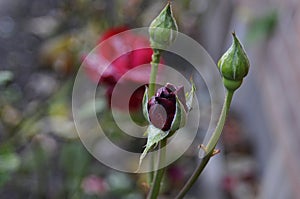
(165, 112)
(162, 108)
(158, 116)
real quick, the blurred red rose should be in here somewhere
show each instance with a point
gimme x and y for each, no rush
(121, 51)
(124, 52)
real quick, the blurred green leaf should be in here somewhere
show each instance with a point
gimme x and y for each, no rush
(4, 177)
(91, 108)
(9, 162)
(134, 196)
(262, 27)
(74, 160)
(109, 126)
(119, 183)
(60, 126)
(5, 76)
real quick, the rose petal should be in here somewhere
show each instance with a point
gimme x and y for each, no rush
(158, 116)
(171, 87)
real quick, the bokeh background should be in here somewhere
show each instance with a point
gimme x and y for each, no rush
(42, 44)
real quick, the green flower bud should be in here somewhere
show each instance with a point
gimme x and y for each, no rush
(163, 29)
(234, 65)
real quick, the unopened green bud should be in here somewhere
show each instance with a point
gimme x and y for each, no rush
(234, 65)
(163, 29)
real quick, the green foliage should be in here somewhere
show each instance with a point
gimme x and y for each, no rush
(9, 163)
(262, 27)
(74, 161)
(5, 76)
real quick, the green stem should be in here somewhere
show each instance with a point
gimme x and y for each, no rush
(151, 174)
(210, 146)
(154, 68)
(217, 133)
(154, 191)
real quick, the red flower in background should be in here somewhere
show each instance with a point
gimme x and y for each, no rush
(124, 52)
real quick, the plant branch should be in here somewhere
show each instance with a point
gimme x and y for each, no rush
(210, 146)
(154, 68)
(154, 191)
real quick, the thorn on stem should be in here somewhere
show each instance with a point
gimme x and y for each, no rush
(215, 152)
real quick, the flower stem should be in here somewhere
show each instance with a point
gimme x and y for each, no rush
(151, 174)
(154, 68)
(217, 133)
(154, 191)
(210, 146)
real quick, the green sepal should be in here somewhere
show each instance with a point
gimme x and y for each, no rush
(179, 118)
(154, 136)
(189, 97)
(145, 105)
(181, 112)
(231, 85)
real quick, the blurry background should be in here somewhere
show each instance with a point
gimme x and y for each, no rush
(42, 43)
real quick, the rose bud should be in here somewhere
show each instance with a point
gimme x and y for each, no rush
(167, 109)
(234, 65)
(163, 29)
(166, 112)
